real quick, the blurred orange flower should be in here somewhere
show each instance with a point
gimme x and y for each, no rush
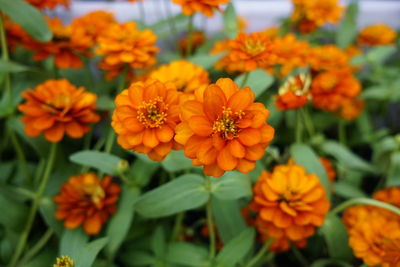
(225, 63)
(389, 195)
(332, 89)
(329, 169)
(57, 107)
(186, 76)
(145, 118)
(62, 46)
(378, 34)
(198, 39)
(87, 200)
(328, 57)
(351, 109)
(294, 93)
(124, 45)
(48, 4)
(207, 7)
(15, 35)
(290, 204)
(250, 51)
(223, 129)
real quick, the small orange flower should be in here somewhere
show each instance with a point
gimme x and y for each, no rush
(198, 39)
(250, 50)
(87, 28)
(57, 107)
(48, 4)
(294, 93)
(186, 76)
(378, 34)
(328, 57)
(145, 118)
(332, 89)
(351, 109)
(225, 63)
(63, 47)
(87, 200)
(389, 195)
(207, 7)
(223, 129)
(290, 204)
(124, 45)
(15, 35)
(330, 170)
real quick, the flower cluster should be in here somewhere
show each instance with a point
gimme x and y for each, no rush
(290, 204)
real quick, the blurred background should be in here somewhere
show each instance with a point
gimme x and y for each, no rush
(259, 14)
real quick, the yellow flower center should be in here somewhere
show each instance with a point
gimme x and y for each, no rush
(226, 125)
(153, 114)
(95, 192)
(254, 47)
(58, 104)
(64, 261)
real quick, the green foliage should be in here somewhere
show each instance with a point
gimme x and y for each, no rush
(231, 21)
(187, 254)
(100, 160)
(88, 254)
(9, 66)
(232, 185)
(347, 31)
(258, 80)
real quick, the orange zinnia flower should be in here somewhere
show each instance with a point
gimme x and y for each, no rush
(145, 117)
(328, 57)
(207, 7)
(332, 89)
(225, 63)
(198, 39)
(290, 203)
(379, 34)
(250, 51)
(48, 4)
(186, 76)
(87, 28)
(351, 109)
(86, 199)
(223, 129)
(15, 34)
(57, 107)
(389, 195)
(62, 46)
(294, 93)
(329, 169)
(124, 45)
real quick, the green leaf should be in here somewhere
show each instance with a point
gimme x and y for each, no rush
(204, 60)
(158, 244)
(376, 93)
(346, 157)
(347, 31)
(47, 209)
(89, 253)
(330, 263)
(102, 161)
(258, 80)
(141, 171)
(176, 161)
(393, 178)
(184, 193)
(28, 17)
(14, 214)
(378, 55)
(121, 221)
(9, 66)
(236, 250)
(231, 21)
(232, 185)
(228, 218)
(138, 258)
(306, 157)
(72, 242)
(336, 238)
(187, 254)
(347, 190)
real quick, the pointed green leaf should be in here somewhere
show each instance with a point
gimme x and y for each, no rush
(102, 161)
(258, 80)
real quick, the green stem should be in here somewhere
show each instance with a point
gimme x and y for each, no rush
(299, 127)
(307, 121)
(21, 157)
(302, 260)
(190, 36)
(38, 246)
(246, 77)
(177, 226)
(5, 56)
(39, 171)
(363, 201)
(35, 205)
(342, 131)
(260, 254)
(210, 224)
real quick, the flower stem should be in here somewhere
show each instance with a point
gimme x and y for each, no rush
(303, 262)
(363, 201)
(177, 226)
(210, 224)
(299, 127)
(342, 131)
(21, 157)
(35, 205)
(246, 77)
(260, 254)
(5, 56)
(38, 246)
(190, 36)
(307, 121)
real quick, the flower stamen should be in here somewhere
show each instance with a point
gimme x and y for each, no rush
(152, 114)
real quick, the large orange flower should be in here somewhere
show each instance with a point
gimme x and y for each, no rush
(48, 4)
(378, 34)
(62, 46)
(290, 203)
(123, 45)
(207, 7)
(87, 200)
(57, 107)
(186, 76)
(328, 57)
(250, 51)
(223, 129)
(146, 116)
(332, 89)
(294, 93)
